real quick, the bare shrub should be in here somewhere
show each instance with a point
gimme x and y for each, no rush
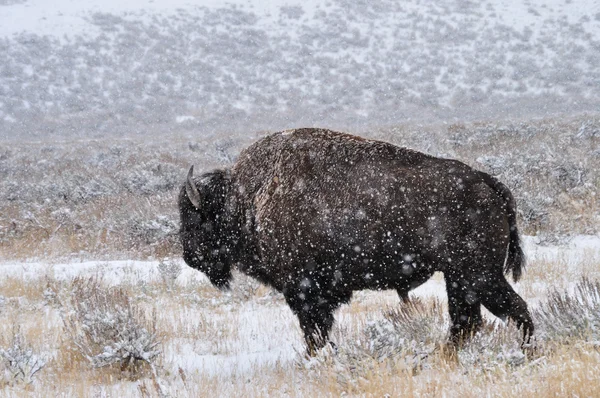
(107, 328)
(571, 315)
(19, 361)
(169, 271)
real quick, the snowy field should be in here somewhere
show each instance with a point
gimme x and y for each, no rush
(248, 340)
(105, 104)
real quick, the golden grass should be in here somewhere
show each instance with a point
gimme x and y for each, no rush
(196, 321)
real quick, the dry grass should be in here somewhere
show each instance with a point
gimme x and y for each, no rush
(196, 324)
(49, 237)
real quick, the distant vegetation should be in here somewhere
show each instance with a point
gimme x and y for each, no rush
(346, 64)
(117, 197)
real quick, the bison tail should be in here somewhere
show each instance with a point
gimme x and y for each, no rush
(515, 260)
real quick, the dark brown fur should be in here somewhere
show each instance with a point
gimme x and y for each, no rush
(318, 214)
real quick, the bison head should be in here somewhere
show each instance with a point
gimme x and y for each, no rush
(206, 236)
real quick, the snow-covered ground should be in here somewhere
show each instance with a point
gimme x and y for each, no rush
(72, 17)
(266, 331)
(217, 74)
(576, 251)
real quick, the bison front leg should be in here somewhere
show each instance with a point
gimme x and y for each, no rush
(465, 309)
(315, 314)
(315, 324)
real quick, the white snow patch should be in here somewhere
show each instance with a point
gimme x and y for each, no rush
(183, 119)
(71, 17)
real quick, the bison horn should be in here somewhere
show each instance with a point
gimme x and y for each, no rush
(191, 189)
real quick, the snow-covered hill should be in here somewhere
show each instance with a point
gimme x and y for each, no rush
(101, 67)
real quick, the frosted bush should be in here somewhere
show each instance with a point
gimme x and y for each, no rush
(56, 292)
(149, 178)
(50, 295)
(533, 212)
(19, 361)
(493, 164)
(494, 345)
(410, 336)
(153, 230)
(418, 327)
(568, 175)
(223, 151)
(403, 339)
(107, 328)
(568, 315)
(169, 271)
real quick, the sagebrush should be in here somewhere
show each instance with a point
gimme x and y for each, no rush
(107, 328)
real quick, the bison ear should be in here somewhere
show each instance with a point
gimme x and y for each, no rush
(191, 190)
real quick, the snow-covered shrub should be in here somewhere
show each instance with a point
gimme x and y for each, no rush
(51, 293)
(292, 12)
(568, 175)
(151, 231)
(149, 178)
(587, 130)
(533, 212)
(417, 326)
(410, 337)
(402, 340)
(107, 328)
(493, 164)
(571, 315)
(56, 292)
(494, 345)
(19, 361)
(169, 271)
(223, 151)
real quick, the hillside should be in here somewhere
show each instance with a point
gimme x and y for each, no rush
(145, 67)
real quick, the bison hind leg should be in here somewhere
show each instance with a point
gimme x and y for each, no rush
(500, 299)
(416, 281)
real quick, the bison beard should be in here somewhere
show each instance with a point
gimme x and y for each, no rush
(318, 214)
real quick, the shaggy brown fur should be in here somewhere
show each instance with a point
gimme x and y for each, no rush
(318, 214)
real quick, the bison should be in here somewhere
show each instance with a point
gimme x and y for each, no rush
(318, 214)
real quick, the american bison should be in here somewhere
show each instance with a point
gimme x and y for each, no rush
(318, 214)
